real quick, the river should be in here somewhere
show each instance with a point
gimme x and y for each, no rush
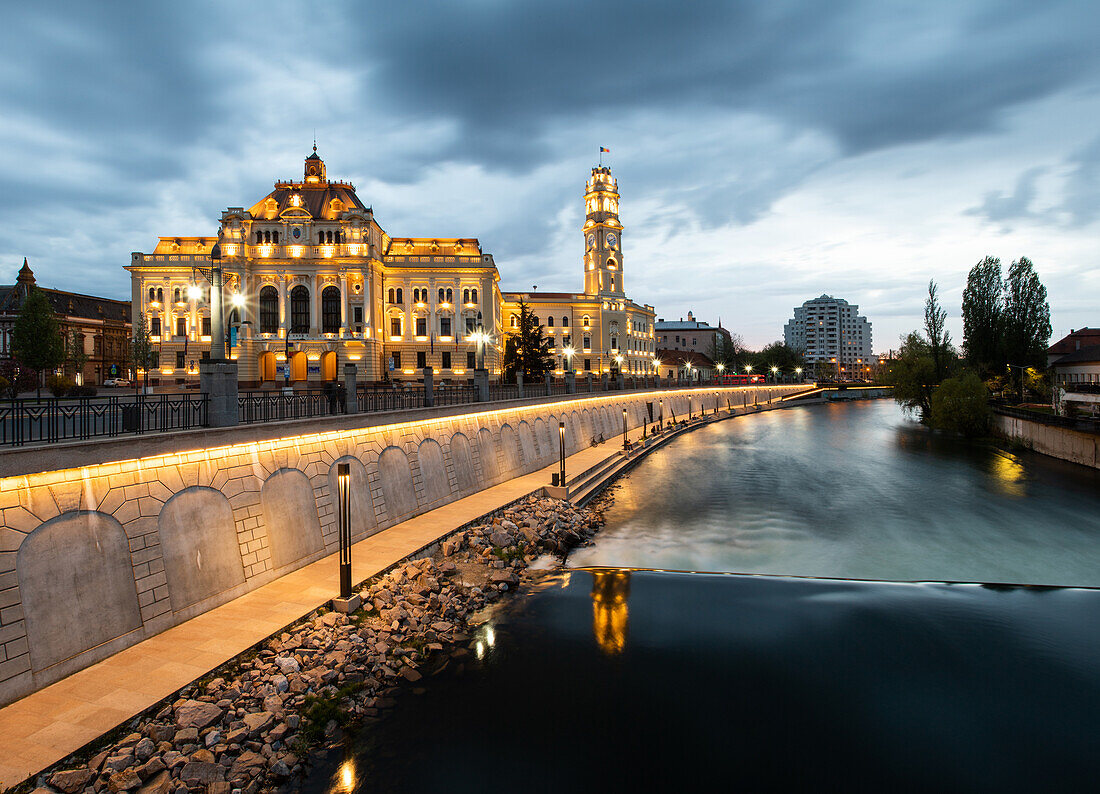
(604, 677)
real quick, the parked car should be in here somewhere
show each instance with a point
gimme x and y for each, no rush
(116, 382)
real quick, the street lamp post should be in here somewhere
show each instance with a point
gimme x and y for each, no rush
(343, 477)
(213, 274)
(626, 444)
(561, 454)
(775, 374)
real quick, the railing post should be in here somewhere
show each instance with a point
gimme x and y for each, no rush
(481, 384)
(218, 381)
(519, 384)
(588, 376)
(547, 384)
(570, 382)
(429, 395)
(603, 380)
(351, 390)
(620, 380)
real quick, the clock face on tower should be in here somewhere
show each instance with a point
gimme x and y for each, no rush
(611, 240)
(591, 240)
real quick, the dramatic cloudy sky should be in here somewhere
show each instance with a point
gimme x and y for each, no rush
(766, 152)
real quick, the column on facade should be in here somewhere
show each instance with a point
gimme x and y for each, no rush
(284, 304)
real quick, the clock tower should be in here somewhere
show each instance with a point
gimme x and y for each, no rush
(603, 253)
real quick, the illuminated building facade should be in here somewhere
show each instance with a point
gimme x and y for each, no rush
(313, 282)
(600, 324)
(833, 337)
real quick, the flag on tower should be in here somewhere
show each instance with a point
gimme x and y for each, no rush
(605, 150)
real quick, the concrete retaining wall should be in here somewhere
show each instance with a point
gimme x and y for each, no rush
(1058, 442)
(97, 557)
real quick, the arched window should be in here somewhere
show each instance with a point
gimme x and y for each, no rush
(465, 296)
(441, 295)
(514, 321)
(612, 283)
(585, 321)
(400, 296)
(473, 296)
(269, 310)
(275, 237)
(550, 322)
(152, 294)
(267, 236)
(564, 322)
(339, 237)
(391, 295)
(299, 310)
(259, 237)
(160, 295)
(330, 310)
(450, 296)
(176, 295)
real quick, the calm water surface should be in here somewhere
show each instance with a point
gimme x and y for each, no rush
(610, 679)
(858, 491)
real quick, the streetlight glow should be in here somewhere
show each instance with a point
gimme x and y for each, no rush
(194, 292)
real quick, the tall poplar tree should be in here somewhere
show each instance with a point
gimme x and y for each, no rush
(36, 338)
(983, 317)
(939, 340)
(1026, 315)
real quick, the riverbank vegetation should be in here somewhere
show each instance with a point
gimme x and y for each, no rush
(1006, 329)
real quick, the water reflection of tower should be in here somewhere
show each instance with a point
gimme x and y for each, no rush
(610, 591)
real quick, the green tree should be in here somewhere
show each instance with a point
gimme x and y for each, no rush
(935, 329)
(983, 317)
(777, 354)
(730, 353)
(961, 405)
(141, 349)
(913, 374)
(1026, 316)
(528, 349)
(36, 337)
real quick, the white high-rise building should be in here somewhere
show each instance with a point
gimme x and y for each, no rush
(832, 336)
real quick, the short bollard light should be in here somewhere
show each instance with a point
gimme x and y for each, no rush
(348, 600)
(626, 444)
(561, 453)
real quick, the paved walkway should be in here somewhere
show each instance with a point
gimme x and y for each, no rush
(46, 726)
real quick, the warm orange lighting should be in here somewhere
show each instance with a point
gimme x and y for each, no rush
(266, 250)
(296, 251)
(354, 357)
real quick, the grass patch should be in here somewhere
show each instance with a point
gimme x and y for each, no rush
(319, 710)
(510, 553)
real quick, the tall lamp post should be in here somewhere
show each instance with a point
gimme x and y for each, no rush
(213, 274)
(775, 374)
(626, 444)
(348, 601)
(561, 454)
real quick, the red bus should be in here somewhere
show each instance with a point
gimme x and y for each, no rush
(739, 380)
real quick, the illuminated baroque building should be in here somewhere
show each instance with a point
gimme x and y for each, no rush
(312, 282)
(599, 324)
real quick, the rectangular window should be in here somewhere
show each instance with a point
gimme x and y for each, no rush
(179, 359)
(206, 326)
(154, 359)
(421, 326)
(587, 364)
(446, 360)
(395, 326)
(181, 326)
(421, 359)
(444, 326)
(154, 327)
(471, 325)
(471, 361)
(357, 313)
(205, 355)
(396, 359)
(588, 343)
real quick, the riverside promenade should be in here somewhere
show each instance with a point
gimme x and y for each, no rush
(48, 725)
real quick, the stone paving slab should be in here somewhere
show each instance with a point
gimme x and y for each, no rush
(46, 726)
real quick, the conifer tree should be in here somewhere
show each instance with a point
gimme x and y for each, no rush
(36, 337)
(528, 349)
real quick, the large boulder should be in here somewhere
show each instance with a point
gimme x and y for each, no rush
(196, 714)
(72, 780)
(201, 773)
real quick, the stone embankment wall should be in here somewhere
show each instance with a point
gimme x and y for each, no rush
(1058, 442)
(103, 550)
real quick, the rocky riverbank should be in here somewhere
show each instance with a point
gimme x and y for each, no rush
(252, 724)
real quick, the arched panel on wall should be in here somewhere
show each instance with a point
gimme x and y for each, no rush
(433, 472)
(397, 483)
(527, 444)
(487, 453)
(362, 509)
(463, 463)
(290, 514)
(578, 432)
(198, 540)
(509, 445)
(547, 448)
(76, 581)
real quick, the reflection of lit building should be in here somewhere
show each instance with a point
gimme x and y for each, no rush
(610, 591)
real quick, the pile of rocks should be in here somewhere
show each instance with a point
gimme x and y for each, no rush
(250, 726)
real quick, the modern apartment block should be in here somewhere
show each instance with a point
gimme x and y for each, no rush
(833, 337)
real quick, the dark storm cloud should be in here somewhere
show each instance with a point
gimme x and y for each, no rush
(870, 75)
